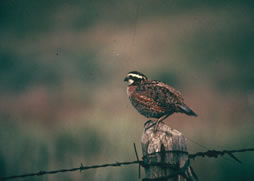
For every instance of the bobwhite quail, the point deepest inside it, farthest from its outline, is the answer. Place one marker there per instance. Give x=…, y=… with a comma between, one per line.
x=154, y=99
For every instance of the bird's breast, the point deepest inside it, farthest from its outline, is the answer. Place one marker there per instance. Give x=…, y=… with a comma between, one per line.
x=131, y=90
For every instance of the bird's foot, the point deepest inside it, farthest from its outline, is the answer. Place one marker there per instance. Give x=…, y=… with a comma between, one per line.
x=148, y=124
x=156, y=126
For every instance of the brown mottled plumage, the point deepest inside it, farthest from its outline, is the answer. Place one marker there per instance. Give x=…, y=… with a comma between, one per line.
x=154, y=99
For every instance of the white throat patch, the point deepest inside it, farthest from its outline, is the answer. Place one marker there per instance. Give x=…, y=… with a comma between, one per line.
x=130, y=81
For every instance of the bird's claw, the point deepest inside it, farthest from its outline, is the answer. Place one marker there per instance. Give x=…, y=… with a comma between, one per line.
x=155, y=124
x=148, y=124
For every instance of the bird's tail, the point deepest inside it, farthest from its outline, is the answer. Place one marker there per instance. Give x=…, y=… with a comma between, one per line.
x=185, y=109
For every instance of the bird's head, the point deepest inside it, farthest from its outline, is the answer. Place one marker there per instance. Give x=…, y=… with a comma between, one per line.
x=135, y=77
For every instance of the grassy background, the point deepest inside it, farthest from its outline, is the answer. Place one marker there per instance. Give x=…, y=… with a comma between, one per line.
x=63, y=100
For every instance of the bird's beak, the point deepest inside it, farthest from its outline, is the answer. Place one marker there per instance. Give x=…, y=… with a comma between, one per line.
x=125, y=79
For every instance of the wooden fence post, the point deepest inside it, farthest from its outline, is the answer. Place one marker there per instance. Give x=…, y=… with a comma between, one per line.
x=165, y=154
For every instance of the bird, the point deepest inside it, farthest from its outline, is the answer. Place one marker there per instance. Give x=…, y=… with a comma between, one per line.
x=153, y=98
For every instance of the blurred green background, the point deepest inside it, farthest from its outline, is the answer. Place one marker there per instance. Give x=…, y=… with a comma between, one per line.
x=63, y=99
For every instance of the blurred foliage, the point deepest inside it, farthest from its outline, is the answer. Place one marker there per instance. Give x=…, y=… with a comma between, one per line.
x=16, y=74
x=63, y=100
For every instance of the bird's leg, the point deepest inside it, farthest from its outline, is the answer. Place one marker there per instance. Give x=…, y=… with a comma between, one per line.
x=156, y=123
x=160, y=120
x=147, y=122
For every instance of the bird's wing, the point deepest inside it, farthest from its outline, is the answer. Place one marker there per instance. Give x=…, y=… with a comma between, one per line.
x=143, y=99
x=174, y=97
x=159, y=93
x=173, y=92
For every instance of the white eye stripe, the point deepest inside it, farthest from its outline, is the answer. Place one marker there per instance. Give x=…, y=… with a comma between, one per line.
x=136, y=75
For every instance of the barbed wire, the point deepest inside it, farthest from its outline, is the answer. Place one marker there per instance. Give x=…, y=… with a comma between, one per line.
x=81, y=168
x=215, y=153
x=209, y=154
